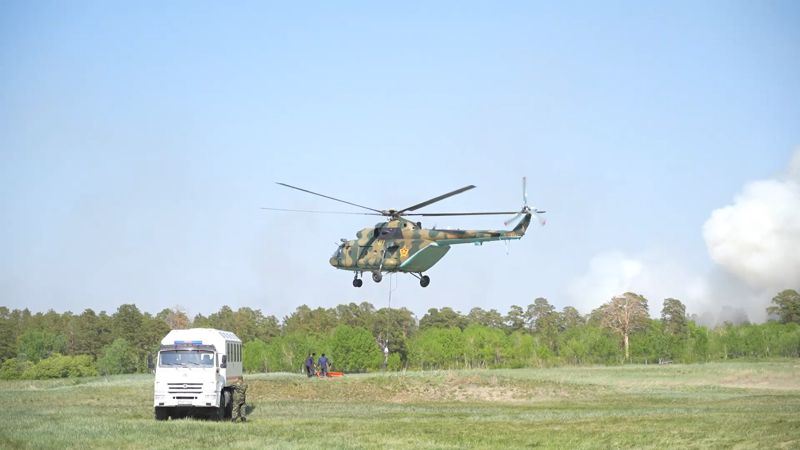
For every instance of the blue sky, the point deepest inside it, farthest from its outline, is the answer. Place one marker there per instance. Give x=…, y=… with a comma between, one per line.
x=138, y=143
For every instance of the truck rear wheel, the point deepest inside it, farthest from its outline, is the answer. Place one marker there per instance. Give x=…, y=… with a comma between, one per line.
x=161, y=413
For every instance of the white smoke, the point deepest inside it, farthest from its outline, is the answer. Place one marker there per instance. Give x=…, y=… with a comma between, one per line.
x=609, y=274
x=757, y=238
x=654, y=276
x=755, y=242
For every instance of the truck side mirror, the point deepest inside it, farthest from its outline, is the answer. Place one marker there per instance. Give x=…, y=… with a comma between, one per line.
x=150, y=364
x=224, y=362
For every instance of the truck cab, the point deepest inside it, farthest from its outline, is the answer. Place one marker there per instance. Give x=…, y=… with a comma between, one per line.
x=195, y=371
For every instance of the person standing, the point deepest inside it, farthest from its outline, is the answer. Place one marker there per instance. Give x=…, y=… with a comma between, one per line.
x=310, y=364
x=239, y=398
x=323, y=365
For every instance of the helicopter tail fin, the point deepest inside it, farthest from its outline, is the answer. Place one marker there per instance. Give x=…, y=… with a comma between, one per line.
x=522, y=226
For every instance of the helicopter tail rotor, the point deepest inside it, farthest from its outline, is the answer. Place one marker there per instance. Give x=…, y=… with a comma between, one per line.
x=525, y=208
x=525, y=191
x=513, y=219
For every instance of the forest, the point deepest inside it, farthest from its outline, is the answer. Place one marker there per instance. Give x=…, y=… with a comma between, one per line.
x=362, y=338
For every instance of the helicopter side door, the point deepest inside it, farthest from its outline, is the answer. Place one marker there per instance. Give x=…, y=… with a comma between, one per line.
x=389, y=240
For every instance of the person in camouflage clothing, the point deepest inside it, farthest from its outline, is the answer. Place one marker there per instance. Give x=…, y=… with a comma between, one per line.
x=239, y=397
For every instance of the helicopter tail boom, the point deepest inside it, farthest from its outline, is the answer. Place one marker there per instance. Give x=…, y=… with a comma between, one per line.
x=453, y=237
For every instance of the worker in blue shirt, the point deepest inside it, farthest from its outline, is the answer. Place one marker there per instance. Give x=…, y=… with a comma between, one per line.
x=310, y=365
x=323, y=365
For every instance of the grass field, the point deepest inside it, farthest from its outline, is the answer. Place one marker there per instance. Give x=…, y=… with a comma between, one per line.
x=730, y=405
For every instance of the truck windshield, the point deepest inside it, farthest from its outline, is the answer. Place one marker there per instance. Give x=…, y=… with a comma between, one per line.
x=187, y=358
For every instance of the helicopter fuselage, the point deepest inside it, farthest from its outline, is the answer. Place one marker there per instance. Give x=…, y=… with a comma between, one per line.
x=401, y=245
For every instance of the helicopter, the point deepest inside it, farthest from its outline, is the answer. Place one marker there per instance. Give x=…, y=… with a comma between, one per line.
x=402, y=245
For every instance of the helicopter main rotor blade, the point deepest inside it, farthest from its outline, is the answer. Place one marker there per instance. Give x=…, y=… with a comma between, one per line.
x=434, y=200
x=324, y=212
x=493, y=213
x=331, y=198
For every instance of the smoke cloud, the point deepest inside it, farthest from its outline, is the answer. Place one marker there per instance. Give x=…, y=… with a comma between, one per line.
x=651, y=275
x=757, y=238
x=755, y=243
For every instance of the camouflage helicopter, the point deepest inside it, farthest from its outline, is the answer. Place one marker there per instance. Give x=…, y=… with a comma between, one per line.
x=401, y=245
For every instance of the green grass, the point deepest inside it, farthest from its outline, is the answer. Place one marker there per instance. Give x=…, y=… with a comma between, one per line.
x=721, y=405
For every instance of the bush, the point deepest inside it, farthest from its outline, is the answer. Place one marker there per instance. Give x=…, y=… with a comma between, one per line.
x=37, y=344
x=118, y=357
x=288, y=353
x=12, y=369
x=697, y=344
x=589, y=344
x=521, y=350
x=395, y=362
x=59, y=366
x=353, y=349
x=484, y=346
x=437, y=348
x=788, y=343
x=255, y=357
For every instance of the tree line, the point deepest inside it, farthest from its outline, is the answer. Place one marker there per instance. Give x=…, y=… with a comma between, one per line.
x=360, y=337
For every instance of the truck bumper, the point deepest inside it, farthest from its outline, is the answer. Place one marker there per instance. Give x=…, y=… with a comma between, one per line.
x=188, y=400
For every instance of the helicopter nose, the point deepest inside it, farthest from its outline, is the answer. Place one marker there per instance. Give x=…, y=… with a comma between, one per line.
x=334, y=262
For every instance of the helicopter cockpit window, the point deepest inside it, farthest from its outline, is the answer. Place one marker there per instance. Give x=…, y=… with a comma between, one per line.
x=390, y=233
x=338, y=253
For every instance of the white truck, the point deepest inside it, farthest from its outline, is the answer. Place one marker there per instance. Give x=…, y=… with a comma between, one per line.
x=195, y=371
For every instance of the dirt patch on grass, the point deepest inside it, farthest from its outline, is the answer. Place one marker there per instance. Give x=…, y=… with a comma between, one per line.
x=460, y=393
x=416, y=388
x=763, y=380
x=478, y=388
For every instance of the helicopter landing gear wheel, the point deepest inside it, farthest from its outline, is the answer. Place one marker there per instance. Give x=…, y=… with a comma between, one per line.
x=377, y=277
x=425, y=281
x=357, y=282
